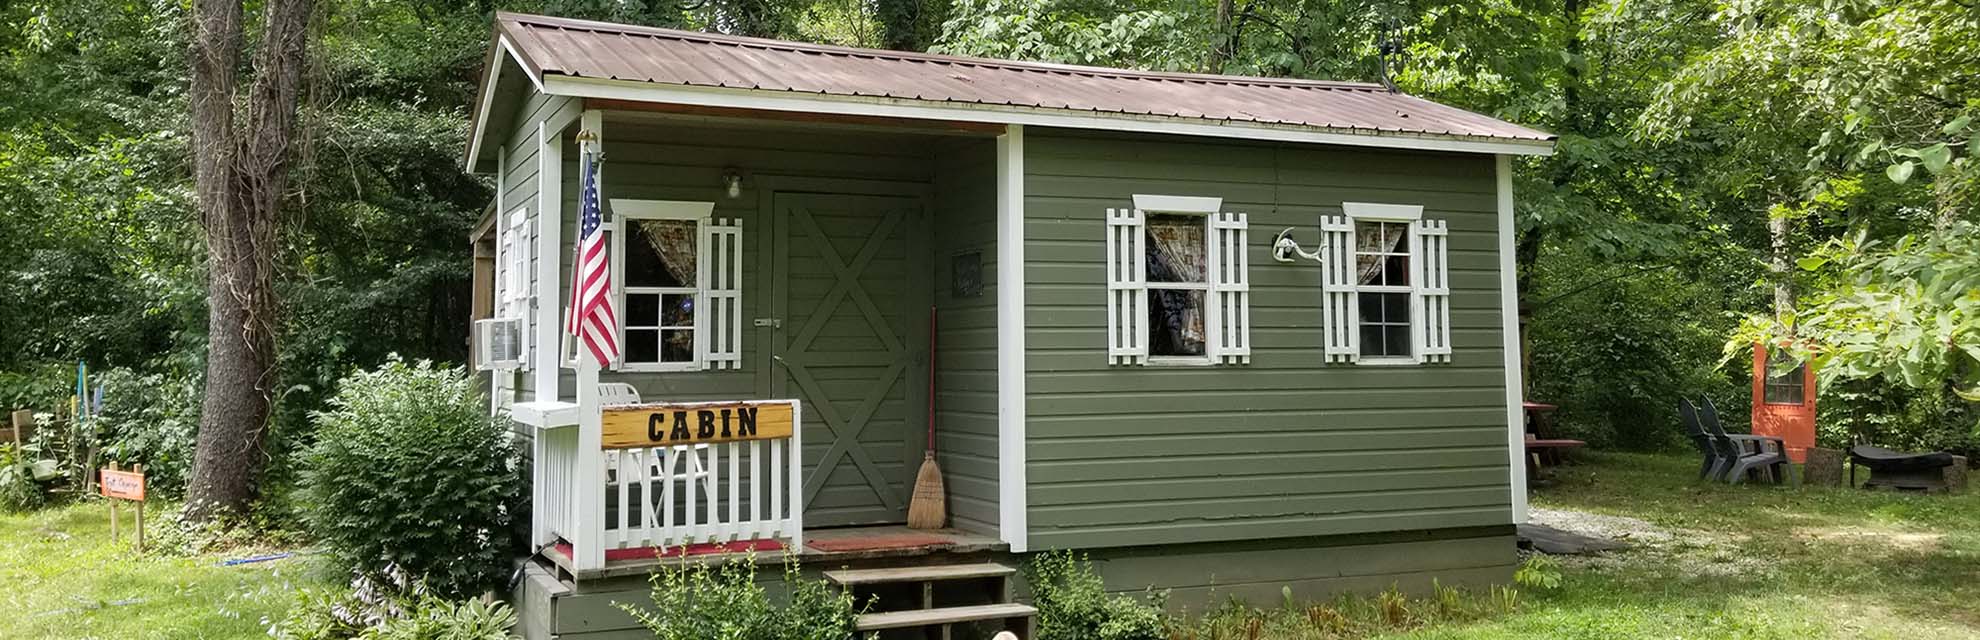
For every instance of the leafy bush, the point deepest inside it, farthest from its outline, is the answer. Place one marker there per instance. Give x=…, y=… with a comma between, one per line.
x=21, y=478
x=153, y=420
x=701, y=602
x=1348, y=615
x=409, y=471
x=400, y=609
x=1073, y=603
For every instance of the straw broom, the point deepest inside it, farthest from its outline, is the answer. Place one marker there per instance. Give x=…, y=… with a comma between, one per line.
x=929, y=509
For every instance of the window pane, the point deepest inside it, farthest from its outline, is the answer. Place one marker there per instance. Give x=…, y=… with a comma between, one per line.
x=1175, y=322
x=1368, y=237
x=1395, y=271
x=1369, y=268
x=642, y=310
x=1395, y=340
x=642, y=345
x=678, y=310
x=1176, y=248
x=677, y=345
x=660, y=253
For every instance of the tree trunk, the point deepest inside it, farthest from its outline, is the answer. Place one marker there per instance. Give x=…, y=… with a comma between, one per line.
x=240, y=178
x=1777, y=237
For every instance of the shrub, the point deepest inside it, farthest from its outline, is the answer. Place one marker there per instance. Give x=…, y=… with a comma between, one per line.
x=153, y=420
x=1073, y=603
x=701, y=602
x=22, y=477
x=396, y=610
x=409, y=471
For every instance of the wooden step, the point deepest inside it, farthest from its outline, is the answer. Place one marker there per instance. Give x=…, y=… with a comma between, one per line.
x=948, y=615
x=934, y=573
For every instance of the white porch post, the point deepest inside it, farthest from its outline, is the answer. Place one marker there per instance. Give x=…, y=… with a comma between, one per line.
x=1509, y=319
x=549, y=251
x=1011, y=484
x=590, y=545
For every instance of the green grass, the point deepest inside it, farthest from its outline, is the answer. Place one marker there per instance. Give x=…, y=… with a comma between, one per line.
x=1754, y=562
x=62, y=578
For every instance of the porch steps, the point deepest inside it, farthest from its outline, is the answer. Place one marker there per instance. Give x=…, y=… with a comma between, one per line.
x=944, y=616
x=947, y=595
x=935, y=573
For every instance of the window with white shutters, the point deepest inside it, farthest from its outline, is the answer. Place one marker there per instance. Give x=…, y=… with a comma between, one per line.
x=677, y=273
x=1178, y=290
x=1385, y=283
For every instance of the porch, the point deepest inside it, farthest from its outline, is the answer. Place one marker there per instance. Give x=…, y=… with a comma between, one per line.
x=808, y=259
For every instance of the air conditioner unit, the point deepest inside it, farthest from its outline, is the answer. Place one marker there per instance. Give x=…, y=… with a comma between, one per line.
x=498, y=343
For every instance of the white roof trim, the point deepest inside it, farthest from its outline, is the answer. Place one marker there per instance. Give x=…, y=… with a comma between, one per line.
x=642, y=91
x=488, y=96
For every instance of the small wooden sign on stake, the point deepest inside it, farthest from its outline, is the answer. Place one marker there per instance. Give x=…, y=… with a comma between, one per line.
x=116, y=484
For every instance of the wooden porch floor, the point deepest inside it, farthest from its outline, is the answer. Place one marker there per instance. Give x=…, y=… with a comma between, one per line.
x=824, y=547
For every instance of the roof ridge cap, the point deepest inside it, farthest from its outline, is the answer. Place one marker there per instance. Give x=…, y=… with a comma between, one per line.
x=932, y=58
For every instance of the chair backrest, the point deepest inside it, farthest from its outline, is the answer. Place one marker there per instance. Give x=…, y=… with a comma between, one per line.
x=1689, y=414
x=1708, y=415
x=617, y=393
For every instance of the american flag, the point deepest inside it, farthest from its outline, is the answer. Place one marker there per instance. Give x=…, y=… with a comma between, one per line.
x=592, y=319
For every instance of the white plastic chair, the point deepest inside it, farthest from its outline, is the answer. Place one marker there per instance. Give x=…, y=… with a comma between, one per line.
x=619, y=393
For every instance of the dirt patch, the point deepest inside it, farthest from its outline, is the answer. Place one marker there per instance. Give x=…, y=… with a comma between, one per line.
x=1865, y=537
x=1596, y=525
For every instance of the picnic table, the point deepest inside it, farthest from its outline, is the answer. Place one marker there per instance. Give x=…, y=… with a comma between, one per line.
x=1541, y=448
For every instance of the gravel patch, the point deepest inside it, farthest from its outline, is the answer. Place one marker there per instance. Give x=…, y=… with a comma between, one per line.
x=1596, y=525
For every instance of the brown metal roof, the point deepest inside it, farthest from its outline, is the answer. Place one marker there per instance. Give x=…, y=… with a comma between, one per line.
x=600, y=50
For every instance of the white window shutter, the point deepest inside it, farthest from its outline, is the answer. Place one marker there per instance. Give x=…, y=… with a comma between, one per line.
x=1230, y=290
x=719, y=321
x=1432, y=275
x=1127, y=288
x=1337, y=281
x=525, y=294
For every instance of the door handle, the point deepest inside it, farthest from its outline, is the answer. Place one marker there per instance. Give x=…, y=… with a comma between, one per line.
x=773, y=323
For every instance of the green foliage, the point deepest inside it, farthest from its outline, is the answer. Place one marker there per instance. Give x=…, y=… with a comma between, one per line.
x=1538, y=572
x=1073, y=603
x=399, y=609
x=1906, y=314
x=1349, y=615
x=409, y=471
x=22, y=476
x=150, y=419
x=1140, y=34
x=724, y=602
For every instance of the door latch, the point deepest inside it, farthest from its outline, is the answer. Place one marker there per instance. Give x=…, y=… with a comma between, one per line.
x=774, y=323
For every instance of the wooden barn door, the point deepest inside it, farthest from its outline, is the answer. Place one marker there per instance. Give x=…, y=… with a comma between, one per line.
x=851, y=295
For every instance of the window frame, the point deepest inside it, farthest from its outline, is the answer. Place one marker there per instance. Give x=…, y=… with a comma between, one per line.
x=699, y=213
x=1405, y=216
x=1199, y=208
x=1795, y=378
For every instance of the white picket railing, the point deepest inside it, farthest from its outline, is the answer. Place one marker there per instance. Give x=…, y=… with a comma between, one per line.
x=665, y=497
x=699, y=494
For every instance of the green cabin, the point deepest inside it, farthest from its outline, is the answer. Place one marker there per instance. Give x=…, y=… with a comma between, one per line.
x=1224, y=334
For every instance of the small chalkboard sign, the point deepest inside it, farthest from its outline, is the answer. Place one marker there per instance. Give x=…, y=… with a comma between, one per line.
x=119, y=485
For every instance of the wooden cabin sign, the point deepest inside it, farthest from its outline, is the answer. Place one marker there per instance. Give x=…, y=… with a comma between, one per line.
x=667, y=424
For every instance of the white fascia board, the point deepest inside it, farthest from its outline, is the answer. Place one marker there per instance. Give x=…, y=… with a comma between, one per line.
x=1510, y=344
x=1178, y=204
x=1013, y=115
x=488, y=97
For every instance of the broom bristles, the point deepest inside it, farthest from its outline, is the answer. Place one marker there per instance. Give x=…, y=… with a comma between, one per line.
x=930, y=507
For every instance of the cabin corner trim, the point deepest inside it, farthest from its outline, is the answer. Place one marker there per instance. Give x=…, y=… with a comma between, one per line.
x=1509, y=335
x=1011, y=478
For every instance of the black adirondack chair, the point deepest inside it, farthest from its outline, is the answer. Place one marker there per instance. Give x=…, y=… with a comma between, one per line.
x=1744, y=453
x=1707, y=449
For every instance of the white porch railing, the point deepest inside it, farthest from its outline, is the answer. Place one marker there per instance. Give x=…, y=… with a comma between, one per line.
x=733, y=484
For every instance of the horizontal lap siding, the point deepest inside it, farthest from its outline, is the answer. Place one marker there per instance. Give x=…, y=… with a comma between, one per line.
x=647, y=159
x=520, y=188
x=966, y=362
x=1286, y=445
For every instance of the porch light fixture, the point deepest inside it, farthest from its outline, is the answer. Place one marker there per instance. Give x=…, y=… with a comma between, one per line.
x=732, y=182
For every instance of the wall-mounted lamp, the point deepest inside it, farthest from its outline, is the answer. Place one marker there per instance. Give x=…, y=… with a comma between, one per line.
x=732, y=182
x=1283, y=249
